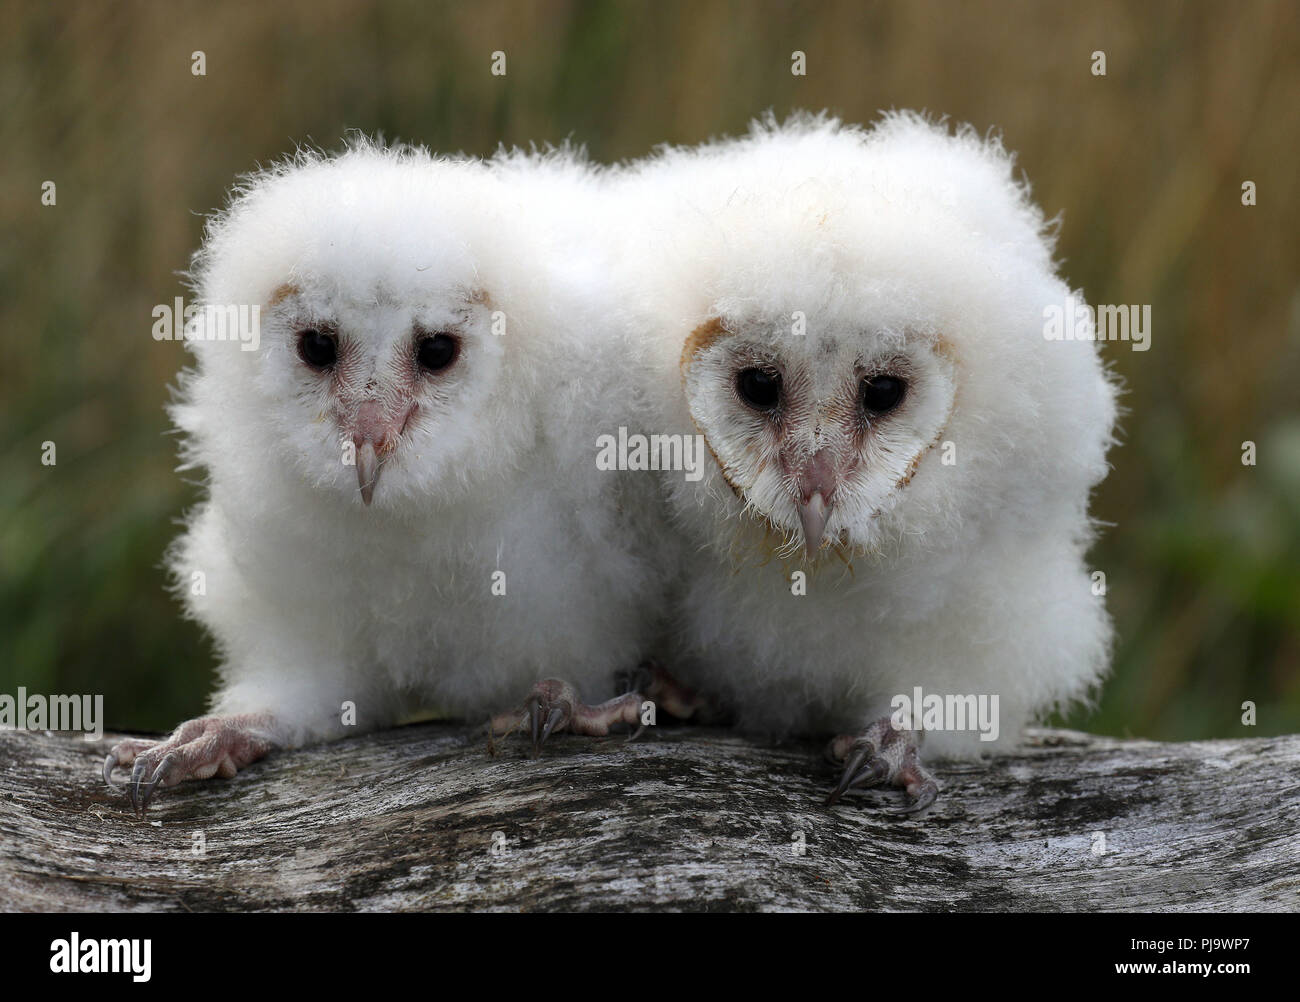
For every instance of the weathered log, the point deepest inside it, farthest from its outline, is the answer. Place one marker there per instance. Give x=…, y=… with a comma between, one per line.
x=424, y=817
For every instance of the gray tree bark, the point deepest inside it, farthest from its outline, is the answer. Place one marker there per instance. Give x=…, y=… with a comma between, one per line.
x=688, y=819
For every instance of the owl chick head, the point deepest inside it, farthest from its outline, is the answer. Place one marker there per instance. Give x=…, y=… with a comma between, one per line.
x=862, y=345
x=818, y=432
x=377, y=281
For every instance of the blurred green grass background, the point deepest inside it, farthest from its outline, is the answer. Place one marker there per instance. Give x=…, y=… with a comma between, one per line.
x=1146, y=165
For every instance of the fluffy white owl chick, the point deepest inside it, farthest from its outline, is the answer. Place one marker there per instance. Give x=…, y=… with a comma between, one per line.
x=394, y=522
x=900, y=459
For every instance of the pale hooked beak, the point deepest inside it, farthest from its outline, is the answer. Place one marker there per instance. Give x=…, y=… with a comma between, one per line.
x=375, y=437
x=813, y=515
x=367, y=470
x=817, y=480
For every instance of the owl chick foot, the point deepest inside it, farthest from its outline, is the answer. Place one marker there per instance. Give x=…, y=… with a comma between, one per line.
x=198, y=749
x=554, y=706
x=883, y=756
x=666, y=692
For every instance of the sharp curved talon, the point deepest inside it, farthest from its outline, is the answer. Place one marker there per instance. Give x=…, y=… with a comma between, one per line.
x=841, y=788
x=637, y=733
x=109, y=764
x=137, y=774
x=875, y=772
x=856, y=757
x=156, y=780
x=928, y=795
x=159, y=774
x=535, y=721
x=852, y=766
x=553, y=719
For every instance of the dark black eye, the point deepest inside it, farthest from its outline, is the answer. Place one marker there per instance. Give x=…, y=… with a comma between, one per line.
x=317, y=348
x=760, y=388
x=436, y=352
x=882, y=393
